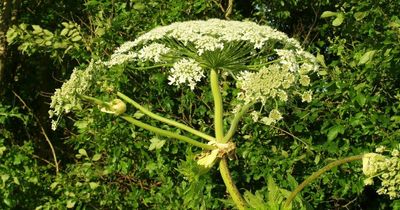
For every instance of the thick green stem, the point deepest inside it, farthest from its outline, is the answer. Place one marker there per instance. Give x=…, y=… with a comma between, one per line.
x=218, y=108
x=318, y=173
x=163, y=119
x=166, y=133
x=235, y=122
x=230, y=185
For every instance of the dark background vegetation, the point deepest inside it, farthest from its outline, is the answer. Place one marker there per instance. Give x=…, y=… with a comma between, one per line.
x=106, y=164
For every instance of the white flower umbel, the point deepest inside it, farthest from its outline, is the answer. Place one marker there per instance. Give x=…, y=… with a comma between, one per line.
x=65, y=98
x=269, y=82
x=386, y=168
x=266, y=64
x=186, y=71
x=153, y=52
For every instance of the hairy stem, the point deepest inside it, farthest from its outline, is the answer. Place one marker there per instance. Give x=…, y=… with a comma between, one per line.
x=230, y=185
x=235, y=122
x=163, y=119
x=218, y=108
x=166, y=133
x=318, y=173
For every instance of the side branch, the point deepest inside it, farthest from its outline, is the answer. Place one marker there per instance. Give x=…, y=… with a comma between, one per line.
x=163, y=119
x=235, y=122
x=318, y=173
x=166, y=133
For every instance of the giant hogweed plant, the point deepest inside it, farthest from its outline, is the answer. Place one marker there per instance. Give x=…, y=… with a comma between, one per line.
x=267, y=67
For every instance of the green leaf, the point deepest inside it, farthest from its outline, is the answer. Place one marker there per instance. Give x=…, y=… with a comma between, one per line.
x=327, y=14
x=138, y=115
x=82, y=152
x=2, y=149
x=53, y=185
x=5, y=177
x=321, y=60
x=16, y=180
x=76, y=38
x=338, y=20
x=64, y=32
x=96, y=157
x=334, y=132
x=361, y=99
x=360, y=15
x=37, y=28
x=156, y=143
x=70, y=204
x=366, y=57
x=254, y=201
x=93, y=185
x=139, y=6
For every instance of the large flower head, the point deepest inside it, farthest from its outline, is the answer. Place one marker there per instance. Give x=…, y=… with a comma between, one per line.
x=265, y=63
x=255, y=53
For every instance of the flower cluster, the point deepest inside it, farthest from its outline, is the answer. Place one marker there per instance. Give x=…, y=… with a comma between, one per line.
x=266, y=63
x=376, y=165
x=65, y=98
x=186, y=70
x=204, y=37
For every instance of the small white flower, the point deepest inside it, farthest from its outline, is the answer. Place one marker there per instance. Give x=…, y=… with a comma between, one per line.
x=153, y=52
x=186, y=71
x=306, y=96
x=304, y=80
x=275, y=115
x=380, y=149
x=255, y=116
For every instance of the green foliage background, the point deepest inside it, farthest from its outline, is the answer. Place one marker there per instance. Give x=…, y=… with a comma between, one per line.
x=106, y=164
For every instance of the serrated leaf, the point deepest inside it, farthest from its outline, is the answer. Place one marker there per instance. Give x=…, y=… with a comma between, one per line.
x=83, y=152
x=254, y=201
x=96, y=157
x=156, y=143
x=327, y=14
x=366, y=57
x=338, y=20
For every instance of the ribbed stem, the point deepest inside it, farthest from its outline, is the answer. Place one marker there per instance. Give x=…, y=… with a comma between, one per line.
x=318, y=173
x=166, y=133
x=218, y=108
x=235, y=122
x=163, y=119
x=230, y=185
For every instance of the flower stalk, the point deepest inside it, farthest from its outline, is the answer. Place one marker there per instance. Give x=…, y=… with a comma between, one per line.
x=218, y=107
x=318, y=173
x=166, y=133
x=230, y=185
x=235, y=122
x=163, y=119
